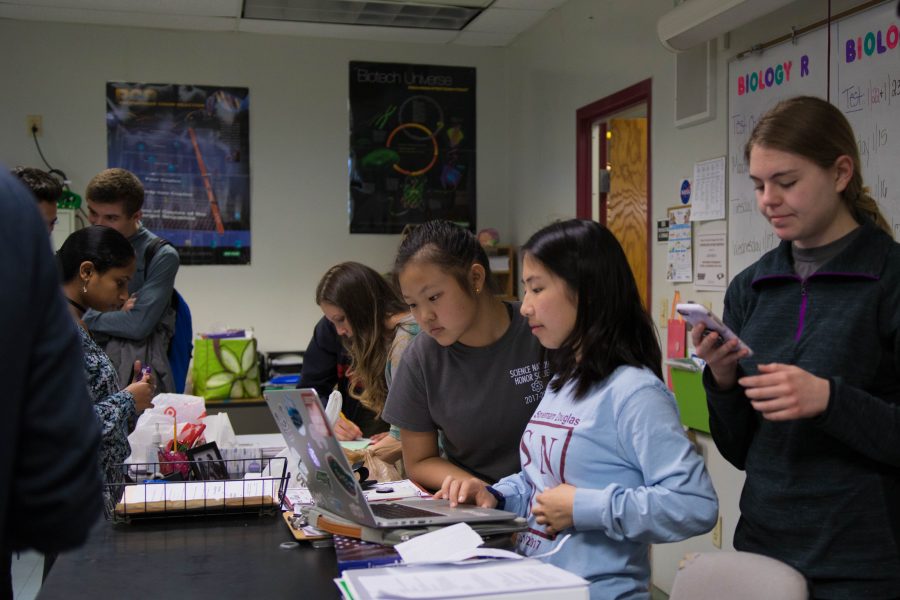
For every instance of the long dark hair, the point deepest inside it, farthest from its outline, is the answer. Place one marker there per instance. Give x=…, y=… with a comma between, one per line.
x=612, y=328
x=105, y=247
x=818, y=131
x=452, y=248
x=367, y=299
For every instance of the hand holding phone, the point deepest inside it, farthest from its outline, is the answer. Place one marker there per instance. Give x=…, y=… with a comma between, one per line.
x=695, y=314
x=141, y=371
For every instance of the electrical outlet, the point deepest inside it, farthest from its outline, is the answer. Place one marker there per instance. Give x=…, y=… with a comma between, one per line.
x=35, y=125
x=717, y=534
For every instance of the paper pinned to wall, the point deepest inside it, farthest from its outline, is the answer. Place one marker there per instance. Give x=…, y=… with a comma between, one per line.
x=708, y=202
x=711, y=252
x=679, y=267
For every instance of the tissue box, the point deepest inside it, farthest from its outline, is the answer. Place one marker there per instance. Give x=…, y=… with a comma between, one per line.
x=226, y=368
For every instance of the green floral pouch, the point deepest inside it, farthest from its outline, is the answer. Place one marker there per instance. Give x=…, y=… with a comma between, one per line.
x=226, y=368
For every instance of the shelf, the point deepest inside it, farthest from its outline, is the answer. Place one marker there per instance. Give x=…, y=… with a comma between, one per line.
x=502, y=260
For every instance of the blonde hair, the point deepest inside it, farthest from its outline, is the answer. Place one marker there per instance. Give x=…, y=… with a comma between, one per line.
x=815, y=129
x=367, y=300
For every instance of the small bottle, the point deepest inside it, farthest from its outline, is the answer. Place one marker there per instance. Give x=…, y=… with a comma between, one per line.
x=153, y=451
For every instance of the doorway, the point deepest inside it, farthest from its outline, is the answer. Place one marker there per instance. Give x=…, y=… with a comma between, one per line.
x=613, y=173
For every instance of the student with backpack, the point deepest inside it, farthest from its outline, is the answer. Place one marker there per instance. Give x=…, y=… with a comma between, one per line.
x=115, y=198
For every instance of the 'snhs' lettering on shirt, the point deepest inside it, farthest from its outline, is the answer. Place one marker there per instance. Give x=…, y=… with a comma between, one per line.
x=534, y=376
x=543, y=450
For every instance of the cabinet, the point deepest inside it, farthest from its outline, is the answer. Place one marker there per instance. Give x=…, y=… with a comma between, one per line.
x=503, y=265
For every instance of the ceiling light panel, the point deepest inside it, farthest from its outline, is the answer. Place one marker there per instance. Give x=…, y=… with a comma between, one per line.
x=206, y=8
x=349, y=12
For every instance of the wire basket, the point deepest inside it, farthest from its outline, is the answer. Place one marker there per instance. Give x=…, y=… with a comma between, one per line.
x=245, y=485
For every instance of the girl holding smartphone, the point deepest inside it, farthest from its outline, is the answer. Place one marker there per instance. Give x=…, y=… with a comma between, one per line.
x=96, y=264
x=813, y=417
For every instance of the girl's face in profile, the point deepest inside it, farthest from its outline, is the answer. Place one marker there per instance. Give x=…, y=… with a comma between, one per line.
x=550, y=306
x=439, y=305
x=109, y=290
x=338, y=318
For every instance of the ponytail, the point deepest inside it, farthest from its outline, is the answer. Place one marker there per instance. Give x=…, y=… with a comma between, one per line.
x=863, y=206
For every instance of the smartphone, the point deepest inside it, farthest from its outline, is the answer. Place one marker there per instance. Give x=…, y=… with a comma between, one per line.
x=695, y=314
x=145, y=370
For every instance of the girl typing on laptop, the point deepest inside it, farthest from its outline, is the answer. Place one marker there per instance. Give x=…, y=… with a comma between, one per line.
x=475, y=377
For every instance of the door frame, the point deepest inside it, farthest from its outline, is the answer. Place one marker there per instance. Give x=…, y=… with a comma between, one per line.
x=585, y=117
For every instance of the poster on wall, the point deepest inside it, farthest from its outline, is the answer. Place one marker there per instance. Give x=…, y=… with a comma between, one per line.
x=189, y=145
x=679, y=261
x=412, y=145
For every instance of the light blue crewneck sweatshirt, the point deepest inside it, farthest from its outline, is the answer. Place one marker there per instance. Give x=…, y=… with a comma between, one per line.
x=638, y=479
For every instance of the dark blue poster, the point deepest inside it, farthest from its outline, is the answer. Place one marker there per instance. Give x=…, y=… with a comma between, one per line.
x=412, y=145
x=189, y=145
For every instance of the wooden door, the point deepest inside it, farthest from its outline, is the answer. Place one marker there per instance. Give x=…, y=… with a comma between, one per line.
x=626, y=202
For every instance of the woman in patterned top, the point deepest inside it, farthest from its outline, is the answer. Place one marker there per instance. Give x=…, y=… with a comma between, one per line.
x=96, y=264
x=376, y=326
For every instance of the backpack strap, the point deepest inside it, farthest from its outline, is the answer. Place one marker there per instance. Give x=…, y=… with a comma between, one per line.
x=152, y=248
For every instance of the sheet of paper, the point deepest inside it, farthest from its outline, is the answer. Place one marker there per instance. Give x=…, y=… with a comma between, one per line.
x=398, y=490
x=708, y=194
x=299, y=497
x=461, y=581
x=710, y=250
x=445, y=544
x=360, y=444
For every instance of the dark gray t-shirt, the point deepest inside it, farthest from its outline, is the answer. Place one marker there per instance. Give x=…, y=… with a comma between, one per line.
x=481, y=398
x=809, y=260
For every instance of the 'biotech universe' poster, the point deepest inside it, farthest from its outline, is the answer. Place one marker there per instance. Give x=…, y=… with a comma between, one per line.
x=412, y=145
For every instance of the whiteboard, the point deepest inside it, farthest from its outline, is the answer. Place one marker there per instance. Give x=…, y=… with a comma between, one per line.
x=867, y=90
x=803, y=71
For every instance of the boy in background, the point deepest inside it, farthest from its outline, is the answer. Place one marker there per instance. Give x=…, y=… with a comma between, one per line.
x=115, y=198
x=46, y=190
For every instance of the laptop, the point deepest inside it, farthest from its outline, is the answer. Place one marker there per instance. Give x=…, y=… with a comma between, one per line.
x=332, y=484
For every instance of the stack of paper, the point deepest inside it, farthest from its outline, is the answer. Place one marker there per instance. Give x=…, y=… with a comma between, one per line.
x=526, y=579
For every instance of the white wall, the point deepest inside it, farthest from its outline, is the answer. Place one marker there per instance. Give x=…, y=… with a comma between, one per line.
x=299, y=140
x=527, y=97
x=582, y=52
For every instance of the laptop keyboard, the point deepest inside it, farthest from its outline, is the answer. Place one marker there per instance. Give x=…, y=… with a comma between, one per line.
x=400, y=511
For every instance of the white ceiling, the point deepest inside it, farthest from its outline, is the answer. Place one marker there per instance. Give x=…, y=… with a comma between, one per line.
x=497, y=25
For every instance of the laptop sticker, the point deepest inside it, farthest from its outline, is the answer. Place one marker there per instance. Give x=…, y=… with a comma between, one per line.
x=344, y=478
x=296, y=419
x=357, y=512
x=323, y=478
x=317, y=419
x=312, y=455
x=301, y=468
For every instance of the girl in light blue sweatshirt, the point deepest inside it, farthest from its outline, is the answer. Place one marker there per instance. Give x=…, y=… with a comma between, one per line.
x=604, y=458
